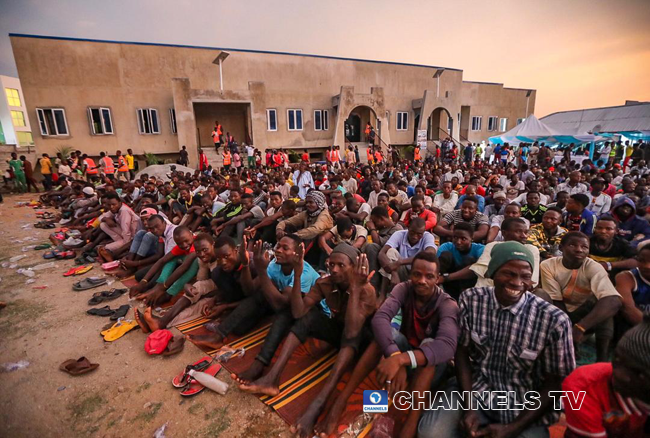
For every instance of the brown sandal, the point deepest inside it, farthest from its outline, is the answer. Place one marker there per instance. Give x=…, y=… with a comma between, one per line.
x=78, y=366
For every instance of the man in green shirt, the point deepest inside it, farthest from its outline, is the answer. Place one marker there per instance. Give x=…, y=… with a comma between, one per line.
x=20, y=183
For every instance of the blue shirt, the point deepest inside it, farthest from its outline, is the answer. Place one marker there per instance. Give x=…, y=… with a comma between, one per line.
x=281, y=281
x=399, y=241
x=475, y=251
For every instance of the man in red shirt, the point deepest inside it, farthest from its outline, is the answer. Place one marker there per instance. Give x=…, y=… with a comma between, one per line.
x=417, y=210
x=616, y=395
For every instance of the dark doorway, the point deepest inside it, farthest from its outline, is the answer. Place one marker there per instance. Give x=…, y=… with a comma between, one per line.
x=353, y=128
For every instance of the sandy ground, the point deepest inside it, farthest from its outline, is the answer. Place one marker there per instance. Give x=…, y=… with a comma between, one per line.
x=129, y=394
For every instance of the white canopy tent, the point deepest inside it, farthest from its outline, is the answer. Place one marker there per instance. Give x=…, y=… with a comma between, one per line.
x=532, y=129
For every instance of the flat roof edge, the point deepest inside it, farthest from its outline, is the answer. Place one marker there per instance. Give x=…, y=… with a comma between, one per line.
x=266, y=52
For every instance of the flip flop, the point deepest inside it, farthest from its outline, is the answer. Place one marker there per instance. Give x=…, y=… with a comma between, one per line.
x=103, y=311
x=120, y=312
x=137, y=315
x=66, y=255
x=118, y=330
x=43, y=246
x=74, y=270
x=83, y=269
x=109, y=266
x=88, y=283
x=180, y=381
x=78, y=366
x=52, y=254
x=174, y=346
x=107, y=295
x=193, y=387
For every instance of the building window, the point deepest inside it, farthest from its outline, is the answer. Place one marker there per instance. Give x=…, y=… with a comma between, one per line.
x=172, y=120
x=476, y=123
x=18, y=117
x=321, y=120
x=271, y=120
x=520, y=121
x=24, y=138
x=294, y=116
x=100, y=120
x=503, y=125
x=492, y=123
x=148, y=121
x=13, y=98
x=402, y=121
x=52, y=121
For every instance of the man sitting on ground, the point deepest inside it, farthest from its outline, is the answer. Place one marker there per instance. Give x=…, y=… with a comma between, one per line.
x=455, y=256
x=467, y=213
x=419, y=210
x=426, y=341
x=120, y=224
x=634, y=287
x=350, y=299
x=581, y=287
x=173, y=271
x=546, y=236
x=499, y=350
x=577, y=217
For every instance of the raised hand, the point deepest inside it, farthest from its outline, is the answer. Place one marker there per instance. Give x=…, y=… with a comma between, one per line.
x=360, y=275
x=260, y=256
x=243, y=252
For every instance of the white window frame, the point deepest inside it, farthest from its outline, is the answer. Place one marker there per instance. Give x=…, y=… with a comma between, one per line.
x=268, y=119
x=294, y=117
x=479, y=119
x=494, y=120
x=148, y=112
x=45, y=128
x=102, y=120
x=326, y=120
x=503, y=124
x=402, y=121
x=520, y=121
x=172, y=120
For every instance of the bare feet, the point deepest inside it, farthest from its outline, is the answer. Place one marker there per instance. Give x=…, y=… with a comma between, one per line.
x=304, y=428
x=252, y=373
x=212, y=341
x=263, y=385
x=152, y=321
x=121, y=273
x=327, y=425
x=105, y=254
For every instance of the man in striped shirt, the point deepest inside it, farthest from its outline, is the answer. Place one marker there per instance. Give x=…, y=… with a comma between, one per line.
x=512, y=341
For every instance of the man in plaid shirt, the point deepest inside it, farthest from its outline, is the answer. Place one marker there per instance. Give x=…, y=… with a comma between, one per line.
x=510, y=340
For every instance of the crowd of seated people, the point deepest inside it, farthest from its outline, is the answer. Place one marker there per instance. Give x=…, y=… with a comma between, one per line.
x=435, y=274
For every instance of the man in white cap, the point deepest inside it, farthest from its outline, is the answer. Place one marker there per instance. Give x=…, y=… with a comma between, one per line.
x=80, y=206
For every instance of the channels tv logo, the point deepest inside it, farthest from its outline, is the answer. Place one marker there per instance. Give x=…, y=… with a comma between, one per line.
x=375, y=401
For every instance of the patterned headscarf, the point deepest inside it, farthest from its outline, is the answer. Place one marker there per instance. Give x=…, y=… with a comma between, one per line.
x=319, y=199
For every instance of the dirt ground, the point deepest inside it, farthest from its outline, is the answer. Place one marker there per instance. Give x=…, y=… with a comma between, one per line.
x=129, y=394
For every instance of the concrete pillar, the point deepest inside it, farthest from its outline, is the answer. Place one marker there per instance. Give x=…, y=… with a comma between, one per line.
x=379, y=107
x=185, y=120
x=257, y=115
x=346, y=104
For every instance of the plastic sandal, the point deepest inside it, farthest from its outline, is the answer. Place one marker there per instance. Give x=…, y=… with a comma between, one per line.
x=78, y=366
x=120, y=312
x=83, y=269
x=118, y=330
x=180, y=381
x=101, y=311
x=193, y=387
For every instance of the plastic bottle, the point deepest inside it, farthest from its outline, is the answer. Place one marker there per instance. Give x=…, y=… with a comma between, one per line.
x=43, y=266
x=26, y=272
x=18, y=257
x=209, y=382
x=28, y=248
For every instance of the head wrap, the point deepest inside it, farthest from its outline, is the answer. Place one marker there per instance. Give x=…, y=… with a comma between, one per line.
x=635, y=344
x=347, y=250
x=88, y=191
x=319, y=199
x=505, y=252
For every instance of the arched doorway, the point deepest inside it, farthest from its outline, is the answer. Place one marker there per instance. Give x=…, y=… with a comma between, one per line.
x=355, y=124
x=439, y=124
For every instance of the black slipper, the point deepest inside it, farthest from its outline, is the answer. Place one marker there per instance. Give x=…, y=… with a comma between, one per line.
x=103, y=311
x=121, y=312
x=107, y=295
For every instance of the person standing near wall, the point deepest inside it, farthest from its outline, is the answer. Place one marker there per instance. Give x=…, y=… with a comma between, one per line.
x=130, y=161
x=122, y=167
x=16, y=165
x=29, y=174
x=46, y=171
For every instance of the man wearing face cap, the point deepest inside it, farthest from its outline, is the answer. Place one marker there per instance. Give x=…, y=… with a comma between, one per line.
x=350, y=300
x=511, y=340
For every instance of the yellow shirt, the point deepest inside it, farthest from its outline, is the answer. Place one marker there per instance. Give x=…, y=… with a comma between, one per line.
x=129, y=162
x=46, y=166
